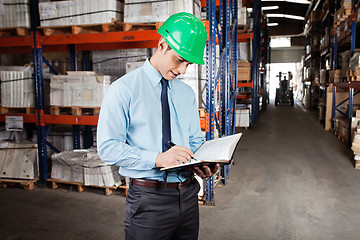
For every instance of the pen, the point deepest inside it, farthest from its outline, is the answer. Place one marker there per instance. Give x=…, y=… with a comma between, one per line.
x=173, y=144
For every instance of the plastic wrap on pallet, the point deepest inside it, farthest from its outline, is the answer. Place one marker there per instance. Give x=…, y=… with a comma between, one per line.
x=14, y=13
x=62, y=13
x=130, y=66
x=191, y=78
x=242, y=118
x=244, y=51
x=243, y=17
x=355, y=60
x=84, y=166
x=141, y=11
x=113, y=62
x=17, y=88
x=78, y=89
x=18, y=160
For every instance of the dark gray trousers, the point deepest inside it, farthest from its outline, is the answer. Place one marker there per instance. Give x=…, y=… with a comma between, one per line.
x=162, y=213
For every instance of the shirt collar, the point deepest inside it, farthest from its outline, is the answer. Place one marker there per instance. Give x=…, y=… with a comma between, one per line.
x=153, y=75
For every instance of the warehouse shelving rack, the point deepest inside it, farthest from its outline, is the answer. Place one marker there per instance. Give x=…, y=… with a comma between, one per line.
x=260, y=58
x=225, y=79
x=352, y=87
x=223, y=31
x=37, y=44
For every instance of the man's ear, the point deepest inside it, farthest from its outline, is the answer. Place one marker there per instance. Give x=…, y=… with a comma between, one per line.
x=162, y=45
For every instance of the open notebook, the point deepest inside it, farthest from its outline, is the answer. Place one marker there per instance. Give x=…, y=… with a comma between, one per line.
x=218, y=150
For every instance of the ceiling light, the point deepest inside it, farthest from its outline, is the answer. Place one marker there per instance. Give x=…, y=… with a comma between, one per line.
x=269, y=8
x=272, y=24
x=292, y=1
x=277, y=15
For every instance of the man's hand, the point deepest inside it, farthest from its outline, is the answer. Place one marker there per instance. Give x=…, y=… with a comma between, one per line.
x=174, y=156
x=205, y=170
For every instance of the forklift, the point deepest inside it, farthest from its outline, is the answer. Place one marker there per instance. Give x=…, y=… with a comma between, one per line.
x=284, y=94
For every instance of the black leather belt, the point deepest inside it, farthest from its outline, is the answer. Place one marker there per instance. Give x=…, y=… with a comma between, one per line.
x=158, y=184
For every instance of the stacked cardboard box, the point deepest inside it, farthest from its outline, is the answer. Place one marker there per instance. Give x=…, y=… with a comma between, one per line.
x=244, y=70
x=17, y=88
x=140, y=11
x=76, y=12
x=343, y=12
x=337, y=75
x=356, y=138
x=78, y=89
x=323, y=76
x=14, y=13
x=84, y=166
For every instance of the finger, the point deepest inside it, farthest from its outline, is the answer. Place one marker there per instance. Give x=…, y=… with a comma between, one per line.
x=199, y=172
x=184, y=149
x=206, y=170
x=182, y=159
x=216, y=168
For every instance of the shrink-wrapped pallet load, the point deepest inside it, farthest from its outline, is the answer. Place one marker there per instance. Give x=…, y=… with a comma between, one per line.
x=78, y=89
x=140, y=11
x=17, y=87
x=84, y=166
x=80, y=12
x=14, y=13
x=18, y=160
x=113, y=62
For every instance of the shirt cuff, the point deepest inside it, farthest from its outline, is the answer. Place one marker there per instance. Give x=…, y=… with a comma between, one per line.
x=147, y=160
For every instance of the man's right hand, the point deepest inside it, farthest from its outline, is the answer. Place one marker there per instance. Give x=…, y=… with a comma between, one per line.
x=174, y=156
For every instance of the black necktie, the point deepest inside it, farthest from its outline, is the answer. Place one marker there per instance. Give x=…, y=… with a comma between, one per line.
x=166, y=130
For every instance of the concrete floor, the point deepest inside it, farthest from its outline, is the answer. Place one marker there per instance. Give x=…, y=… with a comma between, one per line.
x=291, y=180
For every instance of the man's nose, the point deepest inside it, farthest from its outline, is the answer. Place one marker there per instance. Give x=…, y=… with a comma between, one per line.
x=182, y=68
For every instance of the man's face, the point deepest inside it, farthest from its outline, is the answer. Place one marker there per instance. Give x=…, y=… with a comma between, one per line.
x=172, y=65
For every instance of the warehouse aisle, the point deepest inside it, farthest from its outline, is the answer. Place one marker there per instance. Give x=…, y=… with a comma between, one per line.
x=292, y=180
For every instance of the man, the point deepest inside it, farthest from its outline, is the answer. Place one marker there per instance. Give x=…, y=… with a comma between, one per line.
x=141, y=114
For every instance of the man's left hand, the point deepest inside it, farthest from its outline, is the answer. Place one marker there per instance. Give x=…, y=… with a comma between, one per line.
x=205, y=170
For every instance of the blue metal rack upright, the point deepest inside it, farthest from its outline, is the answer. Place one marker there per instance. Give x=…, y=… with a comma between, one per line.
x=256, y=63
x=225, y=80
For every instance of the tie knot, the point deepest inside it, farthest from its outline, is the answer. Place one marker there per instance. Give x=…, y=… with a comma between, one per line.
x=164, y=82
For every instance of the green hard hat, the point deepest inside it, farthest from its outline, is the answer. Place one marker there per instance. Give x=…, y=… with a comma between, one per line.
x=186, y=34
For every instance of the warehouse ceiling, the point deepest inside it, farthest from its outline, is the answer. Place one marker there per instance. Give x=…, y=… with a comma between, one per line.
x=288, y=14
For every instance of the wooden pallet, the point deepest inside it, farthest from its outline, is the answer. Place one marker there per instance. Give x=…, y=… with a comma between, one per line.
x=125, y=188
x=76, y=111
x=56, y=183
x=99, y=28
x=27, y=110
x=26, y=184
x=341, y=15
x=242, y=29
x=14, y=32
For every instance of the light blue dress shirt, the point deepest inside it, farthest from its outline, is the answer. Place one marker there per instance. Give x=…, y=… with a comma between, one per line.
x=129, y=132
